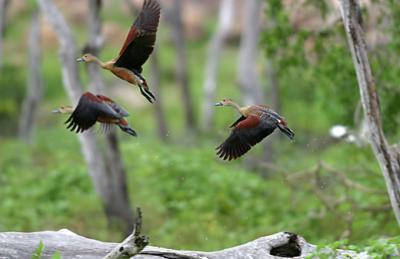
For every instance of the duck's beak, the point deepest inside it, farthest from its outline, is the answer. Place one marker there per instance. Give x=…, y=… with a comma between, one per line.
x=219, y=104
x=56, y=111
x=80, y=60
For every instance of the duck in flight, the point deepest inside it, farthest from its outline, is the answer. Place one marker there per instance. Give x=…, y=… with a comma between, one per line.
x=93, y=108
x=137, y=48
x=255, y=124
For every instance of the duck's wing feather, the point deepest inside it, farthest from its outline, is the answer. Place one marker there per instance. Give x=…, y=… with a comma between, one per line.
x=246, y=134
x=85, y=115
x=140, y=40
x=117, y=108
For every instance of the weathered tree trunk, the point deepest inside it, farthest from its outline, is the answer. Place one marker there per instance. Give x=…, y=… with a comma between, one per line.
x=70, y=245
x=121, y=209
x=4, y=4
x=73, y=86
x=155, y=85
x=248, y=78
x=34, y=85
x=387, y=156
x=225, y=19
x=178, y=36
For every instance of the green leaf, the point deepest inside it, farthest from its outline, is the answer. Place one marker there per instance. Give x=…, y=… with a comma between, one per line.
x=39, y=250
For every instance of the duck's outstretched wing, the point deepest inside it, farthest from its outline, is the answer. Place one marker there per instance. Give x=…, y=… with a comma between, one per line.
x=247, y=133
x=85, y=115
x=140, y=40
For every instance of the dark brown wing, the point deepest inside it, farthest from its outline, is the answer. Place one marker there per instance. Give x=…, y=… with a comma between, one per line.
x=117, y=108
x=141, y=38
x=85, y=115
x=246, y=134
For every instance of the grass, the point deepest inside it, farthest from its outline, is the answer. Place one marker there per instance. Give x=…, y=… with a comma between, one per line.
x=190, y=199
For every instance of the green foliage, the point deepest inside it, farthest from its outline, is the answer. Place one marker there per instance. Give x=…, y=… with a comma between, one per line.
x=56, y=255
x=316, y=66
x=12, y=84
x=375, y=248
x=39, y=251
x=221, y=204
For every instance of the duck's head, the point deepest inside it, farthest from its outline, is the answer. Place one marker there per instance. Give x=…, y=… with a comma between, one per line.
x=64, y=109
x=224, y=102
x=86, y=58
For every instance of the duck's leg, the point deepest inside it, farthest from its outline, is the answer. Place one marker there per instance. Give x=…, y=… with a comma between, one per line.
x=150, y=93
x=144, y=88
x=144, y=93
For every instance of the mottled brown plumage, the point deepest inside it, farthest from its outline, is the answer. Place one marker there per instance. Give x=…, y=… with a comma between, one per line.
x=256, y=123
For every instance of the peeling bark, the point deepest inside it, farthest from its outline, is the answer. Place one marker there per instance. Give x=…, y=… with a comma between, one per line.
x=388, y=158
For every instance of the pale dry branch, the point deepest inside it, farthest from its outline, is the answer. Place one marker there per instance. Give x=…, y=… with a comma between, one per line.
x=133, y=244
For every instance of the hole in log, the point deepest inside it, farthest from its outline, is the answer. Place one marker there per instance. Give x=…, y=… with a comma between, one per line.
x=290, y=249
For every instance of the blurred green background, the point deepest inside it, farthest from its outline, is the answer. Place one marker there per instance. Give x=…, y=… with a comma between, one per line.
x=191, y=199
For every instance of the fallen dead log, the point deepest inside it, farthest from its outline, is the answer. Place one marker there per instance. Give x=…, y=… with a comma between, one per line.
x=70, y=245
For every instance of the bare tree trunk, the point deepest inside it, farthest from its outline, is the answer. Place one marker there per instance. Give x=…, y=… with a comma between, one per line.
x=94, y=45
x=90, y=149
x=273, y=97
x=116, y=178
x=34, y=85
x=178, y=37
x=4, y=4
x=155, y=84
x=225, y=19
x=248, y=77
x=387, y=156
x=273, y=101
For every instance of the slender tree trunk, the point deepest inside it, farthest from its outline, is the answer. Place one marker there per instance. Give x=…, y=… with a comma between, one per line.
x=121, y=208
x=34, y=85
x=248, y=77
x=225, y=19
x=178, y=37
x=4, y=4
x=155, y=84
x=73, y=86
x=273, y=101
x=388, y=156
